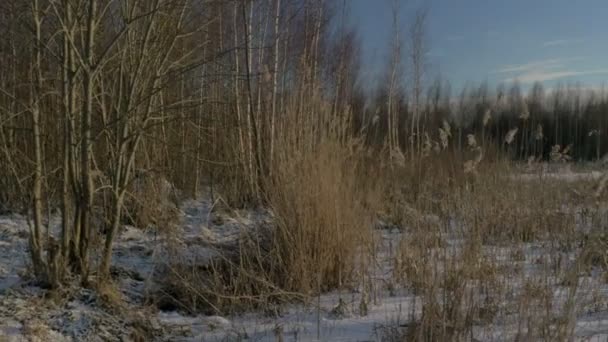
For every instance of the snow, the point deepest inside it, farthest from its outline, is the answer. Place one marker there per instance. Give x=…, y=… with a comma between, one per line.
x=13, y=247
x=561, y=176
x=298, y=323
x=11, y=329
x=138, y=254
x=320, y=323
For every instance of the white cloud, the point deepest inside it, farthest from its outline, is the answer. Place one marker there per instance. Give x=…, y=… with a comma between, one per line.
x=545, y=70
x=546, y=75
x=561, y=42
x=547, y=63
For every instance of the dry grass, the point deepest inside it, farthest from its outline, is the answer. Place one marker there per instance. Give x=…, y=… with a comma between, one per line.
x=325, y=213
x=323, y=209
x=236, y=279
x=472, y=266
x=151, y=201
x=110, y=296
x=464, y=252
x=469, y=228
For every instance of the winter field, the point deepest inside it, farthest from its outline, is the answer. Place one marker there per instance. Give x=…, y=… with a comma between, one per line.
x=244, y=170
x=514, y=264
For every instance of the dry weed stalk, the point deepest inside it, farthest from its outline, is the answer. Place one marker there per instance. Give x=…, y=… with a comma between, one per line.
x=560, y=155
x=510, y=136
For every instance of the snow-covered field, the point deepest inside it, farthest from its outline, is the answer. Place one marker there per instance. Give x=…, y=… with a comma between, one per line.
x=27, y=314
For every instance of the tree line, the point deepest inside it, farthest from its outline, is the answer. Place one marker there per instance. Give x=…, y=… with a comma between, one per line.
x=569, y=116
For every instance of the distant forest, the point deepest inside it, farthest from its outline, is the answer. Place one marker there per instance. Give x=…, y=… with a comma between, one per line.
x=567, y=115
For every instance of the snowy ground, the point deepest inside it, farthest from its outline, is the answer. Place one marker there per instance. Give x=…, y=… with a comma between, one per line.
x=25, y=313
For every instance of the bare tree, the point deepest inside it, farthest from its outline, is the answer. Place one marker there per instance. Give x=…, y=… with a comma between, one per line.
x=136, y=93
x=395, y=70
x=418, y=52
x=35, y=98
x=275, y=74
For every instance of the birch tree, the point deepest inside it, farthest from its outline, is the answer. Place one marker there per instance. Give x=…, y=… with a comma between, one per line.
x=417, y=54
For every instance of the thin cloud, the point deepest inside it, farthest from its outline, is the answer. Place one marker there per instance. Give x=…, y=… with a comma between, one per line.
x=545, y=75
x=561, y=42
x=544, y=64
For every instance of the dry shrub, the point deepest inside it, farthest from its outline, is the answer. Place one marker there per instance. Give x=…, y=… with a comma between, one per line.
x=415, y=256
x=502, y=209
x=594, y=250
x=457, y=290
x=324, y=205
x=416, y=192
x=534, y=311
x=236, y=278
x=321, y=188
x=110, y=296
x=323, y=201
x=459, y=282
x=151, y=201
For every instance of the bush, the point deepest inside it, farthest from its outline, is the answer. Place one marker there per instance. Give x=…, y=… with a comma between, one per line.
x=324, y=203
x=151, y=201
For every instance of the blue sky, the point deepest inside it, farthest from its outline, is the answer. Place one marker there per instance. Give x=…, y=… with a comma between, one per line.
x=497, y=40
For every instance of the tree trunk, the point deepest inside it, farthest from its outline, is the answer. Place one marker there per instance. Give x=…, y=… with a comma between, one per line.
x=36, y=236
x=275, y=74
x=85, y=148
